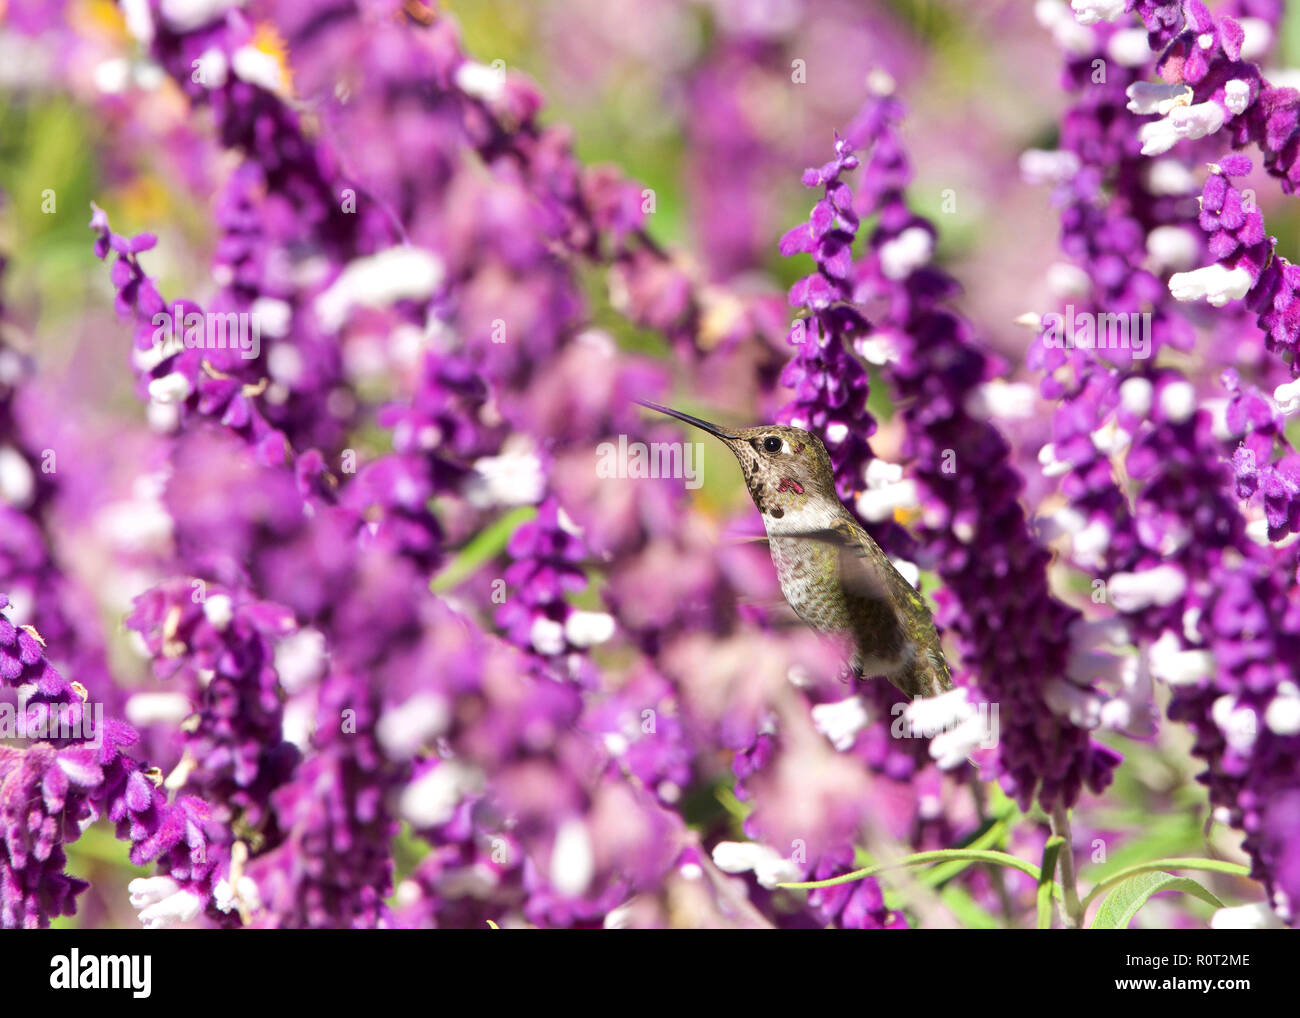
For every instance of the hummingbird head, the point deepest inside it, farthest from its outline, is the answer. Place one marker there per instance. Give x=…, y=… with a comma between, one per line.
x=787, y=470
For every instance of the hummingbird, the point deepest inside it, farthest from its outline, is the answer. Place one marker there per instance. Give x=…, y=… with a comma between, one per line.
x=834, y=576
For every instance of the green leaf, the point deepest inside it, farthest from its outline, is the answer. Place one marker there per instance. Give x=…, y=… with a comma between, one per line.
x=1122, y=904
x=486, y=545
x=1207, y=865
x=1046, y=878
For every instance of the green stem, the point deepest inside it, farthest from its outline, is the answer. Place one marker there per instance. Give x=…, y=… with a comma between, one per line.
x=1046, y=880
x=941, y=855
x=1209, y=865
x=946, y=871
x=1074, y=909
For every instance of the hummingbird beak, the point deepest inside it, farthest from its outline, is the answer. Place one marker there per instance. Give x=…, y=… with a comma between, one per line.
x=712, y=429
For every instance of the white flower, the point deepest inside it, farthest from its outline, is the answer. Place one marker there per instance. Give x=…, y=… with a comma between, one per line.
x=187, y=15
x=1179, y=667
x=1110, y=438
x=1178, y=401
x=219, y=610
x=244, y=896
x=573, y=861
x=1052, y=467
x=881, y=473
x=1257, y=916
x=1048, y=166
x=938, y=713
x=876, y=504
x=274, y=316
x=1238, y=722
x=1135, y=395
x=512, y=479
x=481, y=81
x=299, y=722
x=1067, y=280
x=877, y=348
x=17, y=482
x=958, y=725
x=768, y=867
x=139, y=20
x=1283, y=713
x=1131, y=592
x=161, y=902
x=173, y=388
x=1129, y=47
x=1236, y=96
x=908, y=570
x=404, y=730
x=885, y=491
x=999, y=398
x=546, y=636
x=840, y=722
x=398, y=273
x=1067, y=33
x=1080, y=706
x=906, y=253
x=1146, y=97
x=586, y=629
x=432, y=798
x=1170, y=177
x=1190, y=122
x=1215, y=283
x=1090, y=542
x=1089, y=12
x=300, y=659
x=212, y=68
x=150, y=708
x=258, y=67
x=137, y=524
x=112, y=76
x=1171, y=247
x=1287, y=397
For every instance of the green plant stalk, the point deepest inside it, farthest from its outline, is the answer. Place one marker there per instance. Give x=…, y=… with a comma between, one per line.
x=986, y=840
x=939, y=855
x=1047, y=873
x=1074, y=909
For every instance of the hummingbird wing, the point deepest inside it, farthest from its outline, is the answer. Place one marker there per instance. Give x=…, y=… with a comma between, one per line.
x=891, y=621
x=865, y=570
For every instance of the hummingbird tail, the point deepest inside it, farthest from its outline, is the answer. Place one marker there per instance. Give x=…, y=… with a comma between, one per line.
x=928, y=676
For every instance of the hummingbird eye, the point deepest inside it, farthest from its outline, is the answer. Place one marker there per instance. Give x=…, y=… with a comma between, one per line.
x=772, y=443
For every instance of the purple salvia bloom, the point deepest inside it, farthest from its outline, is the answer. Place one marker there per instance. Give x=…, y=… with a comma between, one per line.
x=972, y=501
x=219, y=644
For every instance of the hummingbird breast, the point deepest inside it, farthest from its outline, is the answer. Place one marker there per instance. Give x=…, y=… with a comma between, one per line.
x=808, y=572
